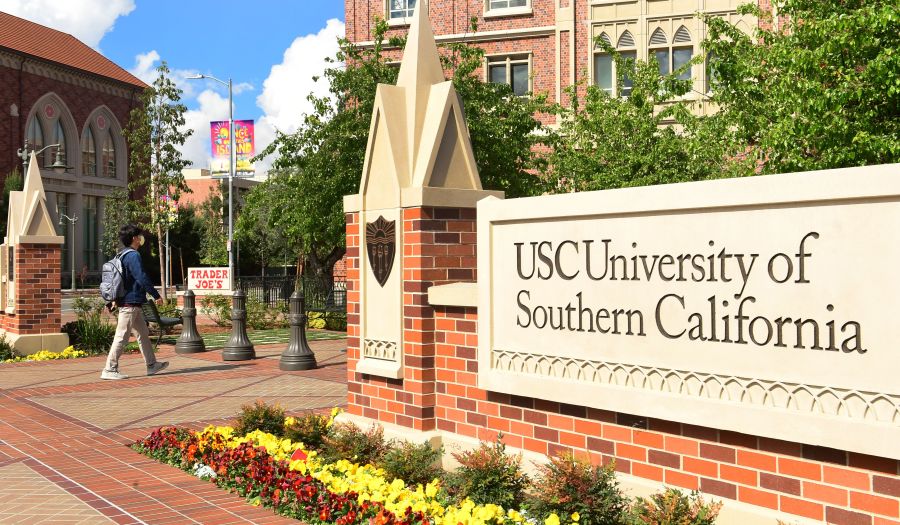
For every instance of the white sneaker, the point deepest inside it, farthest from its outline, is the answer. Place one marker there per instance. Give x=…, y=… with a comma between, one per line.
x=156, y=367
x=112, y=374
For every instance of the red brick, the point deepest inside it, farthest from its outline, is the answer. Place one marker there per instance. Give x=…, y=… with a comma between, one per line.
x=801, y=507
x=759, y=498
x=885, y=485
x=718, y=488
x=642, y=470
x=837, y=516
x=845, y=477
x=738, y=475
x=631, y=452
x=700, y=466
x=757, y=460
x=800, y=469
x=825, y=493
x=889, y=507
x=680, y=479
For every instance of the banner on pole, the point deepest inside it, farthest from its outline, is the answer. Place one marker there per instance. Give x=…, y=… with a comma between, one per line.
x=220, y=141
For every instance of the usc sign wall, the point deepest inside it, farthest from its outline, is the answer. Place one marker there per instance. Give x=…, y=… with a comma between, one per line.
x=764, y=305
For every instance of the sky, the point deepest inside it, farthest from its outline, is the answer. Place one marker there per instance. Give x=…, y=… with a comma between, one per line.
x=271, y=49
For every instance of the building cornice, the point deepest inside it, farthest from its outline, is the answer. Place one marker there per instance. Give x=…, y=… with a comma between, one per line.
x=485, y=36
x=47, y=69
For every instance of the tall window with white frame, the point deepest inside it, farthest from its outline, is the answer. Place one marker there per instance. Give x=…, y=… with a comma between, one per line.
x=64, y=229
x=108, y=158
x=513, y=70
x=59, y=138
x=400, y=9
x=605, y=72
x=91, y=232
x=675, y=55
x=88, y=153
x=35, y=134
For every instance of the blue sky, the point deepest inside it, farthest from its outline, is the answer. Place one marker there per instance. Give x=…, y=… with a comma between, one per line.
x=275, y=48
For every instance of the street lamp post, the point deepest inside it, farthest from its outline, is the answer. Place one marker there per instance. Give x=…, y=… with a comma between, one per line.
x=231, y=158
x=72, y=247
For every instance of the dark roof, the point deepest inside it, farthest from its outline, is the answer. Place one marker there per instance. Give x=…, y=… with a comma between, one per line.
x=39, y=41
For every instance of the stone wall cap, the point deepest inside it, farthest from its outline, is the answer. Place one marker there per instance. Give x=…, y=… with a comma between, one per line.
x=456, y=294
x=430, y=197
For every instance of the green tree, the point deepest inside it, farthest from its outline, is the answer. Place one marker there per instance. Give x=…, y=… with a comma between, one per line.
x=819, y=88
x=118, y=210
x=508, y=139
x=14, y=182
x=257, y=227
x=323, y=160
x=650, y=137
x=213, y=249
x=155, y=131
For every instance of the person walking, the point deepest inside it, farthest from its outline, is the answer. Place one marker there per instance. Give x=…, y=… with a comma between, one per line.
x=131, y=317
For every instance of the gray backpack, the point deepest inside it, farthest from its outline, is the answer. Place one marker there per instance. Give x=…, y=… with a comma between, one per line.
x=112, y=278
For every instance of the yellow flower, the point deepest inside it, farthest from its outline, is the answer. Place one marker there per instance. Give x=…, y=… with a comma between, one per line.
x=552, y=519
x=575, y=517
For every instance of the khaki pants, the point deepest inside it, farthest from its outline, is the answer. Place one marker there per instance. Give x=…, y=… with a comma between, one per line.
x=131, y=319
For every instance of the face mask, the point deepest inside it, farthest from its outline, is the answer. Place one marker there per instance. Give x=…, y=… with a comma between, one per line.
x=141, y=237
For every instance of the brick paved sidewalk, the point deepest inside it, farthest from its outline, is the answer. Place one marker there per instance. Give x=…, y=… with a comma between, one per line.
x=64, y=433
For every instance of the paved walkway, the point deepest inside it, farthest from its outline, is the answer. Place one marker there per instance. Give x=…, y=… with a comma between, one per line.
x=64, y=433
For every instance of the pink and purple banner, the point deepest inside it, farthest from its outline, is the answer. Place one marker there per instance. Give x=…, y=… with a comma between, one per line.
x=219, y=144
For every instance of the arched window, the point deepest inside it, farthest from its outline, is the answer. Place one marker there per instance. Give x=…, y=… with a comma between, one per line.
x=60, y=138
x=627, y=50
x=35, y=134
x=88, y=153
x=603, y=67
x=108, y=161
x=675, y=56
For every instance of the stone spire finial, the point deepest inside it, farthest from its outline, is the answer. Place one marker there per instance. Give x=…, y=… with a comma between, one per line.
x=419, y=70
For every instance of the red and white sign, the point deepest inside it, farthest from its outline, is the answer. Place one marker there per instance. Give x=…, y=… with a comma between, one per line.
x=209, y=279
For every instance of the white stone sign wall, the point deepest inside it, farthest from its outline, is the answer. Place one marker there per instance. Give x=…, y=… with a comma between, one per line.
x=766, y=305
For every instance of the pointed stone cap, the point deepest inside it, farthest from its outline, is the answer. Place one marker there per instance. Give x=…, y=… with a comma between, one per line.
x=29, y=219
x=419, y=151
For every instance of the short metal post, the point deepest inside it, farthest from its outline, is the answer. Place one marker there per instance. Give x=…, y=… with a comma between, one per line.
x=189, y=342
x=298, y=355
x=239, y=347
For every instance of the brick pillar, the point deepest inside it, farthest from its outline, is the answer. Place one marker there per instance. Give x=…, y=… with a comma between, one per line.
x=35, y=322
x=438, y=248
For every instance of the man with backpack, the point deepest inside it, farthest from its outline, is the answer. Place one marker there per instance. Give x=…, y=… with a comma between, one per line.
x=129, y=288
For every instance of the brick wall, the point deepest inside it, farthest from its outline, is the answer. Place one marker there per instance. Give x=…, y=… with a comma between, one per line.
x=438, y=248
x=80, y=101
x=439, y=391
x=37, y=282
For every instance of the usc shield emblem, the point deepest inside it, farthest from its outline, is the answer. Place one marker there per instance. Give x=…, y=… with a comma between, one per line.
x=381, y=246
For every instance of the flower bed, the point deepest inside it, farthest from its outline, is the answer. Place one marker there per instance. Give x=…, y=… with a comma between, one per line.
x=319, y=484
x=46, y=355
x=259, y=466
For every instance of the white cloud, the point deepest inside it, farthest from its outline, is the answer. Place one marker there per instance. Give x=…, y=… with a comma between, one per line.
x=145, y=65
x=283, y=97
x=86, y=20
x=213, y=106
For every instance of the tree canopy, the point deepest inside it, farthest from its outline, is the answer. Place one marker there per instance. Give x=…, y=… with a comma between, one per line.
x=155, y=132
x=816, y=88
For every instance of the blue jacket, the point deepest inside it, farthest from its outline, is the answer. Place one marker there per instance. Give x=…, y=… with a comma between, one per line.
x=137, y=284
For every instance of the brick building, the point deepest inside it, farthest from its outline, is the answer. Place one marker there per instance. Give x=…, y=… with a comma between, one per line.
x=54, y=89
x=547, y=45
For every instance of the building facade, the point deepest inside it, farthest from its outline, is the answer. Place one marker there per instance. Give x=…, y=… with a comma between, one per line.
x=547, y=46
x=54, y=89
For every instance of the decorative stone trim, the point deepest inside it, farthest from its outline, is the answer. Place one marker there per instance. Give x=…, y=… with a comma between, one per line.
x=821, y=400
x=373, y=349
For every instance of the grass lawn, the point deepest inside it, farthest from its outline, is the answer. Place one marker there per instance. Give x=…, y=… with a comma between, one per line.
x=257, y=337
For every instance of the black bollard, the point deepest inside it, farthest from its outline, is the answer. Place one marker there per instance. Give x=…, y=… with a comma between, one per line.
x=298, y=355
x=239, y=347
x=189, y=342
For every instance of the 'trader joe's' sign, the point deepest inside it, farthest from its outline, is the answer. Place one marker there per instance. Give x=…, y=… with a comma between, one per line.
x=209, y=279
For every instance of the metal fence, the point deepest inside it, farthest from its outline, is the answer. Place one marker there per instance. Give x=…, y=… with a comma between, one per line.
x=321, y=295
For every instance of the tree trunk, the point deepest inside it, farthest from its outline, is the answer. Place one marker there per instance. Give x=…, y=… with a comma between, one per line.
x=162, y=262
